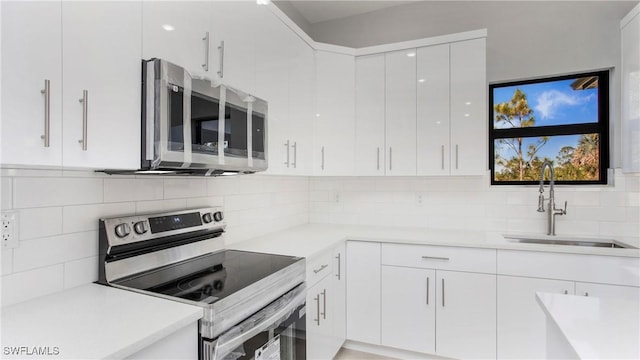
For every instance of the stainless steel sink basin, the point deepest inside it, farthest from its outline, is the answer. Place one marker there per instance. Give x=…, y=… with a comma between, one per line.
x=553, y=240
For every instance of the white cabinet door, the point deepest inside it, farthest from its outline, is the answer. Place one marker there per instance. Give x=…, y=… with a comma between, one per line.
x=466, y=314
x=521, y=321
x=272, y=85
x=236, y=24
x=334, y=125
x=301, y=104
x=176, y=31
x=630, y=36
x=319, y=321
x=102, y=60
x=468, y=107
x=433, y=154
x=370, y=104
x=338, y=303
x=608, y=291
x=31, y=55
x=400, y=113
x=409, y=308
x=363, y=297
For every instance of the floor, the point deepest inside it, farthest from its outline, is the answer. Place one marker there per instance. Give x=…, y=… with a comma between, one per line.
x=347, y=354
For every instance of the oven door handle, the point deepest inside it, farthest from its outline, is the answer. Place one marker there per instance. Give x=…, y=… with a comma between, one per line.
x=268, y=318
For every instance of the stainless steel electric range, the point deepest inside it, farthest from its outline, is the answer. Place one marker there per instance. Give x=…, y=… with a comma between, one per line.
x=254, y=303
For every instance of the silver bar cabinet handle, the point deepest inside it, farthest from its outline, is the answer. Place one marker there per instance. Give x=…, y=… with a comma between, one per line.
x=322, y=162
x=205, y=66
x=85, y=112
x=456, y=156
x=427, y=290
x=315, y=271
x=324, y=304
x=442, y=155
x=317, y=319
x=295, y=154
x=435, y=258
x=338, y=275
x=378, y=158
x=221, y=51
x=287, y=146
x=47, y=112
x=390, y=158
x=442, y=292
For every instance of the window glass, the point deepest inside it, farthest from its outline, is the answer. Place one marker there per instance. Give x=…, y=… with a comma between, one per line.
x=562, y=119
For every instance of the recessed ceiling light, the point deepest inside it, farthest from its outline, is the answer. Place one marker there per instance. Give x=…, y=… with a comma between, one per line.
x=168, y=27
x=263, y=2
x=411, y=54
x=468, y=103
x=467, y=115
x=421, y=80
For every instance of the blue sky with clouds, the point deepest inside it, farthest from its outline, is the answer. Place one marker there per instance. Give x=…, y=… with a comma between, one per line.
x=554, y=103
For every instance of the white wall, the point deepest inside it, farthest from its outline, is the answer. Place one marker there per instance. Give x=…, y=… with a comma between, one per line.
x=59, y=212
x=525, y=38
x=470, y=203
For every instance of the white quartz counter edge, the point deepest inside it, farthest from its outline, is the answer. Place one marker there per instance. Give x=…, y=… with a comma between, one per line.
x=94, y=322
x=593, y=328
x=310, y=239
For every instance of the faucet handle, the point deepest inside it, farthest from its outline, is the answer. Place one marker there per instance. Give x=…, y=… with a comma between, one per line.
x=561, y=211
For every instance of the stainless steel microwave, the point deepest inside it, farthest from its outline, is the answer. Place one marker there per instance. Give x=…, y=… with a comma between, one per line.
x=194, y=126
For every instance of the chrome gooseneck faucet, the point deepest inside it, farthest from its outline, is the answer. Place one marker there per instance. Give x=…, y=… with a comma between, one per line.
x=551, y=218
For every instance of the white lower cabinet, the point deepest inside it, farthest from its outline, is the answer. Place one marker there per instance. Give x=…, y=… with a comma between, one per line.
x=319, y=320
x=461, y=304
x=182, y=344
x=409, y=308
x=326, y=303
x=521, y=322
x=363, y=295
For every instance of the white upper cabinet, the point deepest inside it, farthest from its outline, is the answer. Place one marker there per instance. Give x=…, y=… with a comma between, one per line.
x=433, y=155
x=179, y=32
x=301, y=89
x=77, y=48
x=334, y=125
x=31, y=56
x=400, y=112
x=630, y=35
x=469, y=151
x=102, y=67
x=370, y=104
x=234, y=41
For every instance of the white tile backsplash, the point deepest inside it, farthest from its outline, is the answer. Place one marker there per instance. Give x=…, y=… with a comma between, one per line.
x=59, y=212
x=49, y=222
x=25, y=285
x=30, y=192
x=471, y=203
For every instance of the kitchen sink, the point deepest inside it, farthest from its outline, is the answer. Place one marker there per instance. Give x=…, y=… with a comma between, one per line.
x=554, y=240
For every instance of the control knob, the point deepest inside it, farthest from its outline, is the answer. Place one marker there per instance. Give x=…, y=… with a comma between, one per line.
x=218, y=216
x=122, y=230
x=140, y=227
x=207, y=218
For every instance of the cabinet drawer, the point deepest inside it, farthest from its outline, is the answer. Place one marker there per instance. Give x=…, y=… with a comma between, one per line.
x=440, y=257
x=577, y=267
x=318, y=267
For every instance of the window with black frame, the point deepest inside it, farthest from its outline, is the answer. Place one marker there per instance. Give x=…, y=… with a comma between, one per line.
x=562, y=119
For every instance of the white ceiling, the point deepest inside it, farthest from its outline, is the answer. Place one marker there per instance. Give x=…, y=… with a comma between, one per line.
x=315, y=11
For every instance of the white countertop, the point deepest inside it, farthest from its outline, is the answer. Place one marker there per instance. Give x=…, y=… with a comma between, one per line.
x=93, y=322
x=310, y=239
x=595, y=328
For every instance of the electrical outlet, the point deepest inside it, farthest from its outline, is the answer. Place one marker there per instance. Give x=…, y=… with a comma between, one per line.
x=419, y=199
x=335, y=197
x=9, y=229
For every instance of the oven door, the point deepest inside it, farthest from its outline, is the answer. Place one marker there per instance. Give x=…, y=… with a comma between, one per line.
x=277, y=332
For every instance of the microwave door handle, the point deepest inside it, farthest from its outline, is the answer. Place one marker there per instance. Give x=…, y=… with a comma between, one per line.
x=259, y=322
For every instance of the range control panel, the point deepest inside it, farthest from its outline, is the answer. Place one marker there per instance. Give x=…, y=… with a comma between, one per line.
x=131, y=229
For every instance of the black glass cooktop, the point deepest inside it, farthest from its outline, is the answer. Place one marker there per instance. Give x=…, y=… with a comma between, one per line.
x=210, y=277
